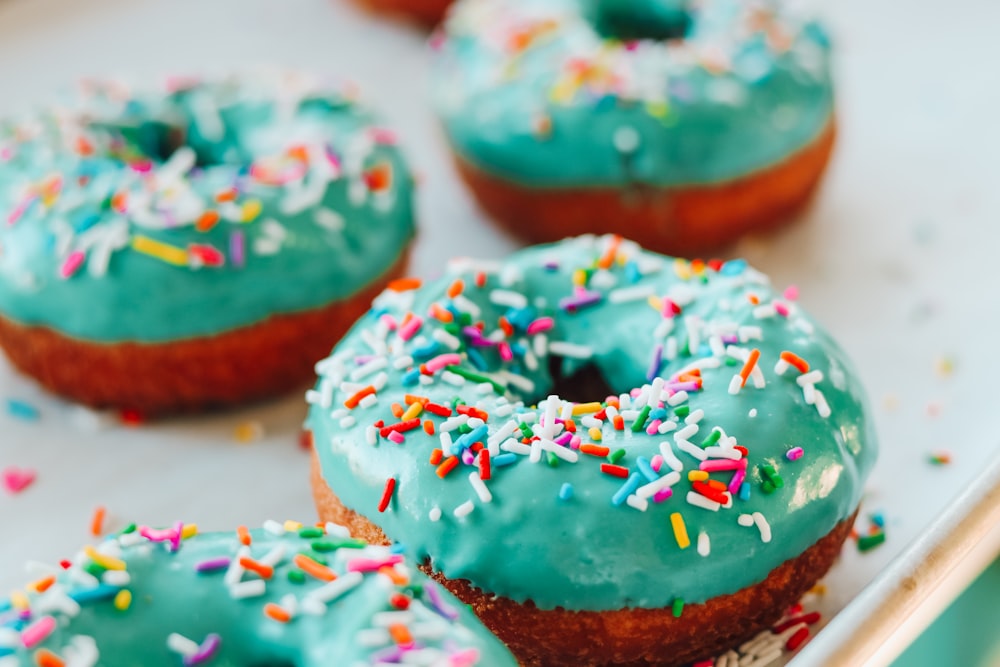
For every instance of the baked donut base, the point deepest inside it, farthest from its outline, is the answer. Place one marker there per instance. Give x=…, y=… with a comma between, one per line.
x=682, y=221
x=427, y=13
x=245, y=364
x=624, y=637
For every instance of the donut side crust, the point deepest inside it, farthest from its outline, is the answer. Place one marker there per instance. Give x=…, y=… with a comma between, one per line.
x=682, y=221
x=627, y=637
x=238, y=366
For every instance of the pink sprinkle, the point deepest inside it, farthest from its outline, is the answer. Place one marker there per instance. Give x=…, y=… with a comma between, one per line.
x=662, y=495
x=175, y=538
x=717, y=465
x=575, y=442
x=791, y=293
x=142, y=166
x=653, y=425
x=564, y=439
x=442, y=360
x=19, y=210
x=464, y=658
x=468, y=457
x=540, y=325
x=372, y=565
x=73, y=262
x=410, y=329
x=670, y=308
x=794, y=454
x=389, y=321
x=781, y=308
x=397, y=437
x=734, y=483
x=383, y=136
x=37, y=632
x=656, y=463
x=16, y=480
x=505, y=352
x=237, y=248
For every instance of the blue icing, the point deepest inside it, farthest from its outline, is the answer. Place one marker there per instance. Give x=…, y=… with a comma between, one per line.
x=533, y=90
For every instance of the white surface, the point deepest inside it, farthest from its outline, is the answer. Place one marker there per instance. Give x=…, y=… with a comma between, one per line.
x=896, y=257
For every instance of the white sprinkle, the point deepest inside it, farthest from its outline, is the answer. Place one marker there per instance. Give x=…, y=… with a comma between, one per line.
x=274, y=556
x=119, y=578
x=636, y=502
x=368, y=401
x=626, y=139
x=701, y=501
x=371, y=435
x=704, y=544
x=629, y=415
x=434, y=514
x=565, y=453
x=809, y=394
x=446, y=339
x=484, y=388
x=723, y=453
x=235, y=571
x=781, y=367
x=745, y=520
x=513, y=446
x=812, y=377
x=669, y=457
x=666, y=427
x=735, y=385
x=652, y=488
x=272, y=527
x=502, y=297
x=765, y=311
x=366, y=369
x=371, y=637
x=749, y=333
x=765, y=659
x=677, y=398
x=464, y=509
x=571, y=350
x=752, y=413
x=694, y=450
x=347, y=422
x=695, y=417
x=248, y=589
x=333, y=590
x=530, y=360
x=452, y=378
x=822, y=407
x=480, y=487
x=336, y=530
x=501, y=434
x=405, y=361
x=328, y=219
x=182, y=645
x=540, y=345
x=759, y=639
x=453, y=423
x=466, y=306
x=686, y=433
x=670, y=348
x=384, y=619
x=627, y=294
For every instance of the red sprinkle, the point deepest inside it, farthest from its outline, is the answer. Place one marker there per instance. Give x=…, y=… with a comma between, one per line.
x=615, y=471
x=709, y=492
x=439, y=410
x=402, y=427
x=808, y=619
x=390, y=486
x=472, y=412
x=484, y=464
x=797, y=638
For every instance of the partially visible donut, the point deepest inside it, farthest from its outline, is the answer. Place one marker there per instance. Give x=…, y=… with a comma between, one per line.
x=683, y=125
x=285, y=595
x=197, y=246
x=616, y=457
x=427, y=13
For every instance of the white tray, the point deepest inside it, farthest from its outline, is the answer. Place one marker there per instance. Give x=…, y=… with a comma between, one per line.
x=908, y=215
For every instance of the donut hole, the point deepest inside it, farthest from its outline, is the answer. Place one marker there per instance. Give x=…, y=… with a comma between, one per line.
x=659, y=20
x=158, y=141
x=583, y=385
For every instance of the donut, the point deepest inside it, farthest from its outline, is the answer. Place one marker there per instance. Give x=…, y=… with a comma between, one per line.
x=427, y=13
x=285, y=594
x=683, y=125
x=196, y=246
x=616, y=457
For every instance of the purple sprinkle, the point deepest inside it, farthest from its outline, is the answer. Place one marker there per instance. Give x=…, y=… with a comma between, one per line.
x=564, y=439
x=468, y=458
x=363, y=359
x=390, y=655
x=675, y=387
x=213, y=564
x=731, y=339
x=581, y=299
x=205, y=651
x=794, y=454
x=237, y=248
x=440, y=606
x=654, y=365
x=551, y=265
x=475, y=337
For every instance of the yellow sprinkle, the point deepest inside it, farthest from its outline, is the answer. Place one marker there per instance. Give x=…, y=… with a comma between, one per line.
x=248, y=432
x=586, y=408
x=19, y=601
x=697, y=476
x=413, y=411
x=107, y=562
x=818, y=589
x=162, y=251
x=580, y=278
x=680, y=530
x=657, y=109
x=189, y=531
x=292, y=526
x=656, y=302
x=123, y=600
x=595, y=434
x=682, y=269
x=563, y=91
x=251, y=210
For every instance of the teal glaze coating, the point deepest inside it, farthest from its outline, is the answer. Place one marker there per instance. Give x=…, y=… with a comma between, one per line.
x=317, y=205
x=539, y=93
x=596, y=549
x=169, y=596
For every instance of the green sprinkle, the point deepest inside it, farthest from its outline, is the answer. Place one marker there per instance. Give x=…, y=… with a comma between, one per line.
x=297, y=576
x=640, y=421
x=310, y=533
x=730, y=361
x=678, y=607
x=131, y=528
x=316, y=557
x=324, y=546
x=685, y=351
x=475, y=377
x=682, y=411
x=465, y=319
x=866, y=542
x=616, y=456
x=767, y=487
x=464, y=428
x=712, y=438
x=94, y=569
x=552, y=459
x=525, y=430
x=453, y=328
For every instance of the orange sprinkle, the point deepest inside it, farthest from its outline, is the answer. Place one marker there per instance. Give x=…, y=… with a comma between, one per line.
x=754, y=299
x=400, y=634
x=716, y=484
x=226, y=195
x=748, y=366
x=46, y=658
x=244, y=535
x=314, y=569
x=428, y=427
x=119, y=201
x=97, y=522
x=405, y=284
x=264, y=571
x=436, y=456
x=446, y=467
x=410, y=399
x=84, y=147
x=608, y=258
x=394, y=575
x=698, y=266
x=507, y=327
x=207, y=220
x=277, y=613
x=619, y=422
x=570, y=425
x=595, y=450
x=397, y=410
x=441, y=315
x=455, y=288
x=353, y=401
x=299, y=152
x=42, y=585
x=800, y=364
